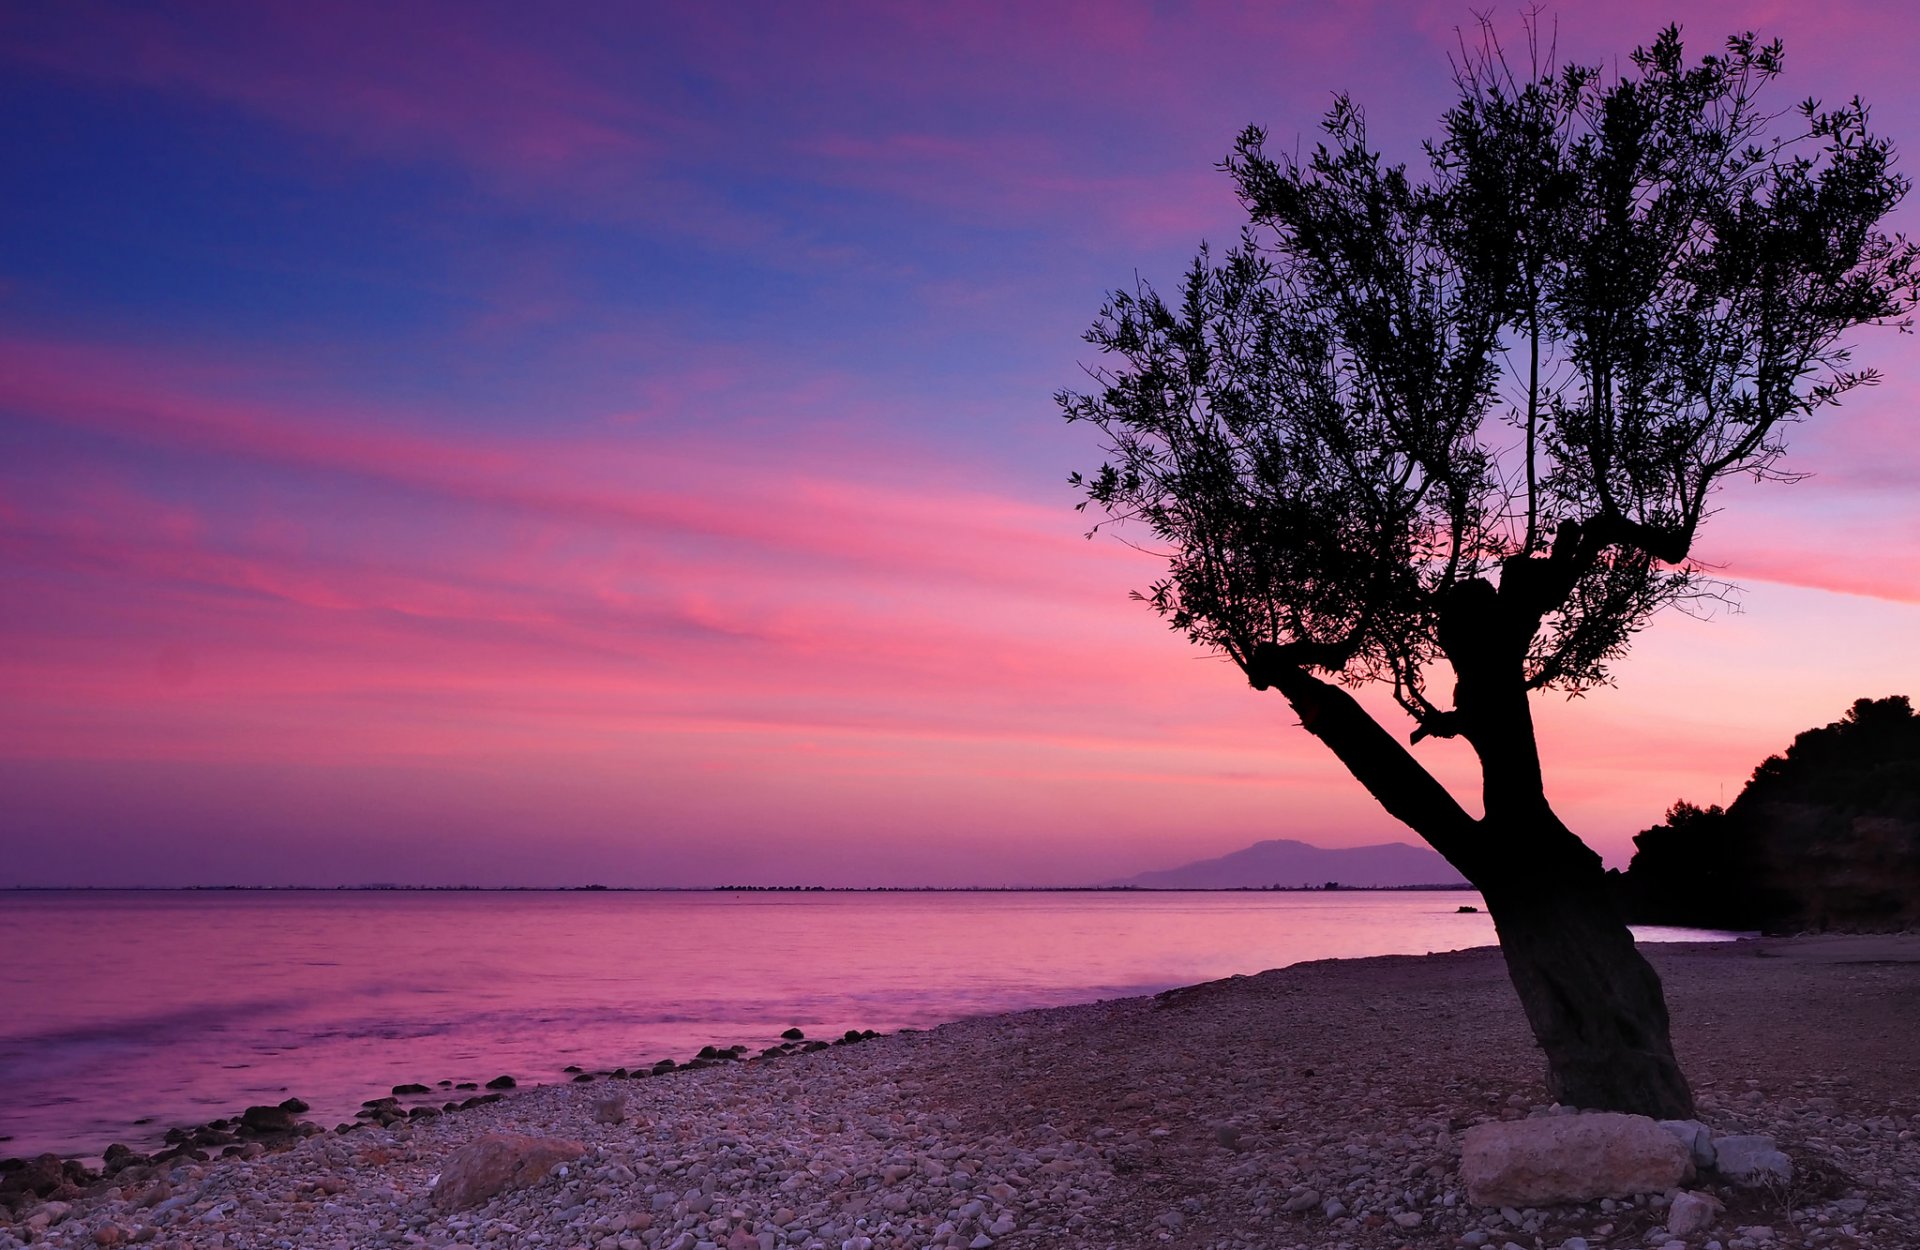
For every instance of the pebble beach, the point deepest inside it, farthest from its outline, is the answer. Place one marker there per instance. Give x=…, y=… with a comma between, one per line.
x=1320, y=1105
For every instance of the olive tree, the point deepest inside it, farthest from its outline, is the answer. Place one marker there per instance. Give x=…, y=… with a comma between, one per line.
x=1456, y=430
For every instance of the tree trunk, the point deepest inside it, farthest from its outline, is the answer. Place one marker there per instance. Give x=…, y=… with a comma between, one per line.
x=1595, y=1004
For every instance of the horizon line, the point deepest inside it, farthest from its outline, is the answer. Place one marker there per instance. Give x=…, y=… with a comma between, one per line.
x=1325, y=888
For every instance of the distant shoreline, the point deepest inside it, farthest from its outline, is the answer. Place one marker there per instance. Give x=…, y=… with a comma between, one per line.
x=732, y=889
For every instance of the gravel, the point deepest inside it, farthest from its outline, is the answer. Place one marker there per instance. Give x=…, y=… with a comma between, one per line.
x=1319, y=1106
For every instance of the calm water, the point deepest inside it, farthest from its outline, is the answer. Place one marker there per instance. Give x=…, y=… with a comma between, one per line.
x=182, y=1007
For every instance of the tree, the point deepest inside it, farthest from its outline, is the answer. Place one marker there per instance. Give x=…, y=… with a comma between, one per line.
x=1456, y=432
x=1826, y=835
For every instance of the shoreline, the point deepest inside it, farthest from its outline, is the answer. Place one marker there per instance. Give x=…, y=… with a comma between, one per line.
x=156, y=1134
x=1212, y=1108
x=1335, y=888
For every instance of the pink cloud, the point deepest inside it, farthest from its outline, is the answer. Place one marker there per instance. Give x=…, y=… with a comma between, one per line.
x=797, y=618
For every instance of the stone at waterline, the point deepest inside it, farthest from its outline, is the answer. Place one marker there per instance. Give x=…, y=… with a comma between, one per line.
x=43, y=1176
x=1751, y=1159
x=268, y=1120
x=1692, y=1213
x=496, y=1163
x=501, y=1082
x=793, y=1035
x=1570, y=1158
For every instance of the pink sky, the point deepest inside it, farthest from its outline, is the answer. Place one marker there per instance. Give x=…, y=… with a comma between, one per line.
x=446, y=448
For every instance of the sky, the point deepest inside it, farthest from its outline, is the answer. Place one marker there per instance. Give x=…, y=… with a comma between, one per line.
x=501, y=444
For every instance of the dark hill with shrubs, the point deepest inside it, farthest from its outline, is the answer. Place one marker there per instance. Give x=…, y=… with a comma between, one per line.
x=1824, y=837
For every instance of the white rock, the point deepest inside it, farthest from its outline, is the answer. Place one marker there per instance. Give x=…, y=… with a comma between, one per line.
x=1576, y=1158
x=1697, y=1138
x=1751, y=1159
x=1692, y=1213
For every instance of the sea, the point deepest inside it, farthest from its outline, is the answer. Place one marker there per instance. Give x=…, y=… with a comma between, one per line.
x=123, y=1014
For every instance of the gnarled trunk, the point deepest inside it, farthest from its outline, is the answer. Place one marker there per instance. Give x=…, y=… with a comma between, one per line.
x=1594, y=1002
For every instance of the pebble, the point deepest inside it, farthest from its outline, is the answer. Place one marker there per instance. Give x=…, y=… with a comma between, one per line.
x=1097, y=1127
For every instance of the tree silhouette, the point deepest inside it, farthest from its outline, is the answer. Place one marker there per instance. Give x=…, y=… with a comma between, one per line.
x=1456, y=433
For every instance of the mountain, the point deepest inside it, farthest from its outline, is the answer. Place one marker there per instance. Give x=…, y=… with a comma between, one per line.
x=1284, y=862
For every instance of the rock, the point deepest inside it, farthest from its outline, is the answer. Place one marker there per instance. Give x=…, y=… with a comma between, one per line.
x=295, y=1105
x=42, y=1177
x=793, y=1035
x=501, y=1082
x=610, y=1110
x=1407, y=1219
x=494, y=1164
x=1751, y=1159
x=1570, y=1158
x=1305, y=1200
x=267, y=1120
x=1692, y=1213
x=401, y=1091
x=1697, y=1138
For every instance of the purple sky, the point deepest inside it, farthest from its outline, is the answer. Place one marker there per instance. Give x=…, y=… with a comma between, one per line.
x=529, y=444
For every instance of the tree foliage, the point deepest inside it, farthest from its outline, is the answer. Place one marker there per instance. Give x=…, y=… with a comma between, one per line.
x=1826, y=833
x=1521, y=371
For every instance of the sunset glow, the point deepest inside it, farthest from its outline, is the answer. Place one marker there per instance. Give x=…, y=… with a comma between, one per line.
x=446, y=447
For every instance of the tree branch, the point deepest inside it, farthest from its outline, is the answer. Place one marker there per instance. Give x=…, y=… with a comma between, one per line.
x=1376, y=759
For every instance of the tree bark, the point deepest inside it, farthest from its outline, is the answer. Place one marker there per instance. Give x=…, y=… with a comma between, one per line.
x=1595, y=1004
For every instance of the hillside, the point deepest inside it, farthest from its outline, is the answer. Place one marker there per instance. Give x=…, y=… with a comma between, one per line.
x=1287, y=863
x=1825, y=836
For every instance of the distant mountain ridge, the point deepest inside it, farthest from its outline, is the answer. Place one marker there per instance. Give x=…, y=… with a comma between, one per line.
x=1289, y=863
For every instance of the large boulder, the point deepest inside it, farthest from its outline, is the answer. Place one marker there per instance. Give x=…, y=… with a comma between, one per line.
x=1570, y=1158
x=492, y=1165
